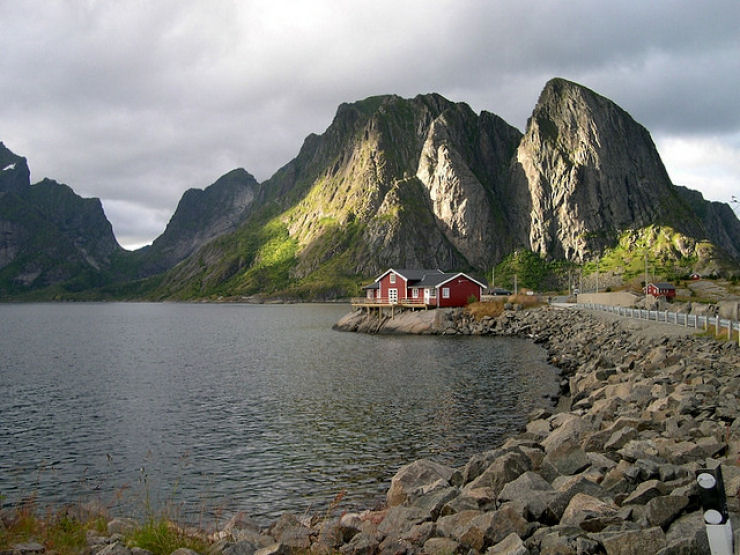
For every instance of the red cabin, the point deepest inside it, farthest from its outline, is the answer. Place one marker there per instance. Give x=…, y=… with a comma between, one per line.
x=423, y=287
x=661, y=290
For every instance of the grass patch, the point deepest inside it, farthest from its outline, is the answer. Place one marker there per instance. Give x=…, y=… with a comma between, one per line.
x=162, y=537
x=63, y=531
x=495, y=308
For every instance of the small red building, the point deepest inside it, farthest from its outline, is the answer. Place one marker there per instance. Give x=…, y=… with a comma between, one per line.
x=423, y=287
x=661, y=289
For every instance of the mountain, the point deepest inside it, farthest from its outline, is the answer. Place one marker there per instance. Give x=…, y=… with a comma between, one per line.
x=392, y=182
x=48, y=234
x=426, y=182
x=201, y=215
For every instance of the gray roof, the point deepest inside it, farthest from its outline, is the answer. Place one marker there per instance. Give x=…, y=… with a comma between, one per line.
x=664, y=285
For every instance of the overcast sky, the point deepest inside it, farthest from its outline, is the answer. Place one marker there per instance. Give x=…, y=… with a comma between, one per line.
x=136, y=101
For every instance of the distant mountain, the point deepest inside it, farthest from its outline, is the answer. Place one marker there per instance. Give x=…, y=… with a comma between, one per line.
x=48, y=234
x=422, y=182
x=201, y=215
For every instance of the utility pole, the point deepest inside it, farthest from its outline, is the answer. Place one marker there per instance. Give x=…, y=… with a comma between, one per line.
x=646, y=273
x=493, y=280
x=516, y=289
x=597, y=275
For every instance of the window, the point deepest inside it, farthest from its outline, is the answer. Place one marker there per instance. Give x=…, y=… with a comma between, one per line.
x=370, y=294
x=415, y=292
x=445, y=292
x=392, y=296
x=393, y=278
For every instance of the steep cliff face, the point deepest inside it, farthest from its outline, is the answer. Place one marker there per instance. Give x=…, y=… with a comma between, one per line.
x=591, y=171
x=14, y=173
x=49, y=235
x=201, y=215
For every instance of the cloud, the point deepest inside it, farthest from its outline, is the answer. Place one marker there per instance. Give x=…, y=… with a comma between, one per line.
x=135, y=102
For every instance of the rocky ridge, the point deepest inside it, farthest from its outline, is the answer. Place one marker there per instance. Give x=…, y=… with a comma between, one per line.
x=611, y=470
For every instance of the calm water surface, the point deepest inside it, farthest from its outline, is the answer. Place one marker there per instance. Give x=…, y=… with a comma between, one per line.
x=261, y=408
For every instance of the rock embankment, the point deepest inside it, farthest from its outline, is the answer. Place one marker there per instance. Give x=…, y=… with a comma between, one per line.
x=613, y=472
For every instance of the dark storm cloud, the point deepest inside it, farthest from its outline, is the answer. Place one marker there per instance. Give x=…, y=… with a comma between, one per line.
x=134, y=102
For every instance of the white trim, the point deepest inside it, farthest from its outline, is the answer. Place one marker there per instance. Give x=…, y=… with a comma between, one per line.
x=457, y=276
x=445, y=292
x=414, y=292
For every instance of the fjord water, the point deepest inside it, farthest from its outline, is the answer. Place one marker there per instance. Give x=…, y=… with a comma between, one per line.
x=262, y=408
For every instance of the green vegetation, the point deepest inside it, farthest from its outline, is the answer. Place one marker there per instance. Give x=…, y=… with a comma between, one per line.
x=162, y=537
x=670, y=254
x=532, y=271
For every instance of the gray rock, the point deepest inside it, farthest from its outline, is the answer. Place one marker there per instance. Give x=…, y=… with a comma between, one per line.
x=566, y=459
x=531, y=492
x=361, y=544
x=447, y=524
x=243, y=547
x=478, y=499
x=633, y=542
x=645, y=491
x=572, y=487
x=400, y=519
x=441, y=546
x=122, y=526
x=619, y=438
x=184, y=551
x=432, y=502
x=490, y=528
x=502, y=471
x=589, y=513
x=115, y=548
x=28, y=547
x=510, y=545
x=295, y=537
x=416, y=479
x=661, y=511
x=687, y=535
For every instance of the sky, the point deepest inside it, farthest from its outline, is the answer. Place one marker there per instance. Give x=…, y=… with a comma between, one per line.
x=136, y=101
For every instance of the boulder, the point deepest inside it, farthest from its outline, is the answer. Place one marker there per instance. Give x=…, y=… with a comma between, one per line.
x=663, y=510
x=416, y=479
x=531, y=492
x=441, y=546
x=644, y=492
x=633, y=542
x=566, y=459
x=510, y=545
x=502, y=471
x=589, y=513
x=490, y=528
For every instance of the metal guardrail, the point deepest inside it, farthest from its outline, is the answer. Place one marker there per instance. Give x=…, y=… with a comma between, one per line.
x=668, y=317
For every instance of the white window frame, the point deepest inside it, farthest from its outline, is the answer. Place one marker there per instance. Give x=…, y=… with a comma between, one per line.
x=393, y=296
x=445, y=292
x=393, y=278
x=415, y=292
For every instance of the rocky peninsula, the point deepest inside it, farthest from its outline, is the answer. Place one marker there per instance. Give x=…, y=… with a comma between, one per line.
x=611, y=469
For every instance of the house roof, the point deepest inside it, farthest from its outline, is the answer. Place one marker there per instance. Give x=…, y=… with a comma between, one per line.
x=425, y=277
x=663, y=285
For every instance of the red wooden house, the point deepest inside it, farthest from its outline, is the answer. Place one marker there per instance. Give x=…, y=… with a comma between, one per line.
x=424, y=288
x=661, y=289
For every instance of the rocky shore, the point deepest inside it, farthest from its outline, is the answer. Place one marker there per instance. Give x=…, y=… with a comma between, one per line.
x=610, y=470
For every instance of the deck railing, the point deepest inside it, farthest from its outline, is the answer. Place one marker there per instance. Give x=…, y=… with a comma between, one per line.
x=385, y=301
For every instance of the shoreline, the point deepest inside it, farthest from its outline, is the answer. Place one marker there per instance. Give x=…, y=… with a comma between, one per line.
x=610, y=470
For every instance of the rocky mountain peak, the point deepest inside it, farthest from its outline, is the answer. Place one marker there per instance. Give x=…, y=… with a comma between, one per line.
x=14, y=173
x=591, y=170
